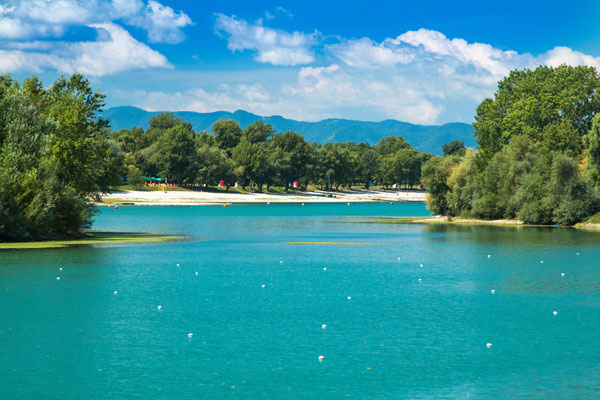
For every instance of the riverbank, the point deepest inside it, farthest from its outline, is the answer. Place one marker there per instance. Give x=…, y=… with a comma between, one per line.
x=591, y=226
x=178, y=198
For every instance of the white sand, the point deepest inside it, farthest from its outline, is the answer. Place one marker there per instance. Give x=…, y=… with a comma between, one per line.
x=208, y=198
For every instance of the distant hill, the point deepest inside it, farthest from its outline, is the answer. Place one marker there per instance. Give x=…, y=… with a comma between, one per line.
x=423, y=137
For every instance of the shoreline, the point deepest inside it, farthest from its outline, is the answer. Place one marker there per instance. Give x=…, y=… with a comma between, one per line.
x=441, y=220
x=192, y=198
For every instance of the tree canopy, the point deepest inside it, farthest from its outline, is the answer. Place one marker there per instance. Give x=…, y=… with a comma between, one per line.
x=538, y=155
x=56, y=156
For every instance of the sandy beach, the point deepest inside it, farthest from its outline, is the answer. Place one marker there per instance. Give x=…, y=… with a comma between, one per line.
x=154, y=198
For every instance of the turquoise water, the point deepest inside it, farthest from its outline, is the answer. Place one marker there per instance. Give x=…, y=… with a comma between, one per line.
x=396, y=338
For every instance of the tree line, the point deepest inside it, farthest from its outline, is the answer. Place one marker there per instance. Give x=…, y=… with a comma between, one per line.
x=260, y=158
x=55, y=157
x=58, y=155
x=538, y=155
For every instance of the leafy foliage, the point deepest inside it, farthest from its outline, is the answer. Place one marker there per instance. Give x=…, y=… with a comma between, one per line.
x=538, y=155
x=55, y=157
x=258, y=156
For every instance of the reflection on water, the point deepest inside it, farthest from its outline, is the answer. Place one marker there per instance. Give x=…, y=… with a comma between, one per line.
x=515, y=235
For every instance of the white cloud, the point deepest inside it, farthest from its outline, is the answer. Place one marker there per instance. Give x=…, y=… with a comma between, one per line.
x=419, y=76
x=272, y=46
x=117, y=52
x=26, y=19
x=23, y=22
x=564, y=55
x=364, y=53
x=162, y=23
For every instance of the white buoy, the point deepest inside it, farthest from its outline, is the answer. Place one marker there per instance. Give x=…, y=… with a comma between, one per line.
x=348, y=203
x=190, y=334
x=58, y=278
x=489, y=345
x=489, y=255
x=398, y=258
x=281, y=262
x=419, y=279
x=268, y=202
x=349, y=297
x=562, y=274
x=493, y=291
x=325, y=269
x=321, y=358
x=554, y=312
x=577, y=253
x=263, y=285
x=178, y=265
x=421, y=265
x=196, y=272
x=159, y=307
x=323, y=326
x=116, y=292
x=60, y=269
x=541, y=262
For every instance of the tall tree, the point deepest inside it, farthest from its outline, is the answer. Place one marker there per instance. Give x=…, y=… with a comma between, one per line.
x=527, y=102
x=227, y=134
x=454, y=147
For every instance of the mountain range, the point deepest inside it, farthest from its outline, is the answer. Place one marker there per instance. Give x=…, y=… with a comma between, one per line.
x=428, y=138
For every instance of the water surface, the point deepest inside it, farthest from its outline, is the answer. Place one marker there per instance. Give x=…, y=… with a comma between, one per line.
x=396, y=337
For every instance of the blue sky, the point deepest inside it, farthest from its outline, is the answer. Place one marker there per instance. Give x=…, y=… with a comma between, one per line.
x=425, y=62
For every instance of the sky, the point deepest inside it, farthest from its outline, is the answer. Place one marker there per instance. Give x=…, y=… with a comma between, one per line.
x=425, y=62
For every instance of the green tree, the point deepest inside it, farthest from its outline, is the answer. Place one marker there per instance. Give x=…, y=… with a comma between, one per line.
x=527, y=102
x=454, y=147
x=391, y=145
x=592, y=144
x=289, y=156
x=55, y=156
x=176, y=153
x=571, y=196
x=227, y=133
x=368, y=165
x=258, y=132
x=436, y=173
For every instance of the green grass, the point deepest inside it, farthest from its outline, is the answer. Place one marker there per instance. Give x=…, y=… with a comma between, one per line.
x=430, y=220
x=94, y=238
x=594, y=219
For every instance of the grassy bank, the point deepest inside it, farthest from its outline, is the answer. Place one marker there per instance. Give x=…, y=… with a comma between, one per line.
x=449, y=221
x=94, y=238
x=592, y=224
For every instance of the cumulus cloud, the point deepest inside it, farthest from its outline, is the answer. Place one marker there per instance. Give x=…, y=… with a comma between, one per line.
x=116, y=52
x=272, y=46
x=162, y=23
x=27, y=19
x=32, y=35
x=365, y=53
x=418, y=76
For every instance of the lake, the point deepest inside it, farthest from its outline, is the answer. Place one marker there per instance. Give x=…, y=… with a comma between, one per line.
x=408, y=312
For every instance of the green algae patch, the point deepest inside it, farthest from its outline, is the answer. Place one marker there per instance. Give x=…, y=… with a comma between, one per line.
x=95, y=238
x=340, y=243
